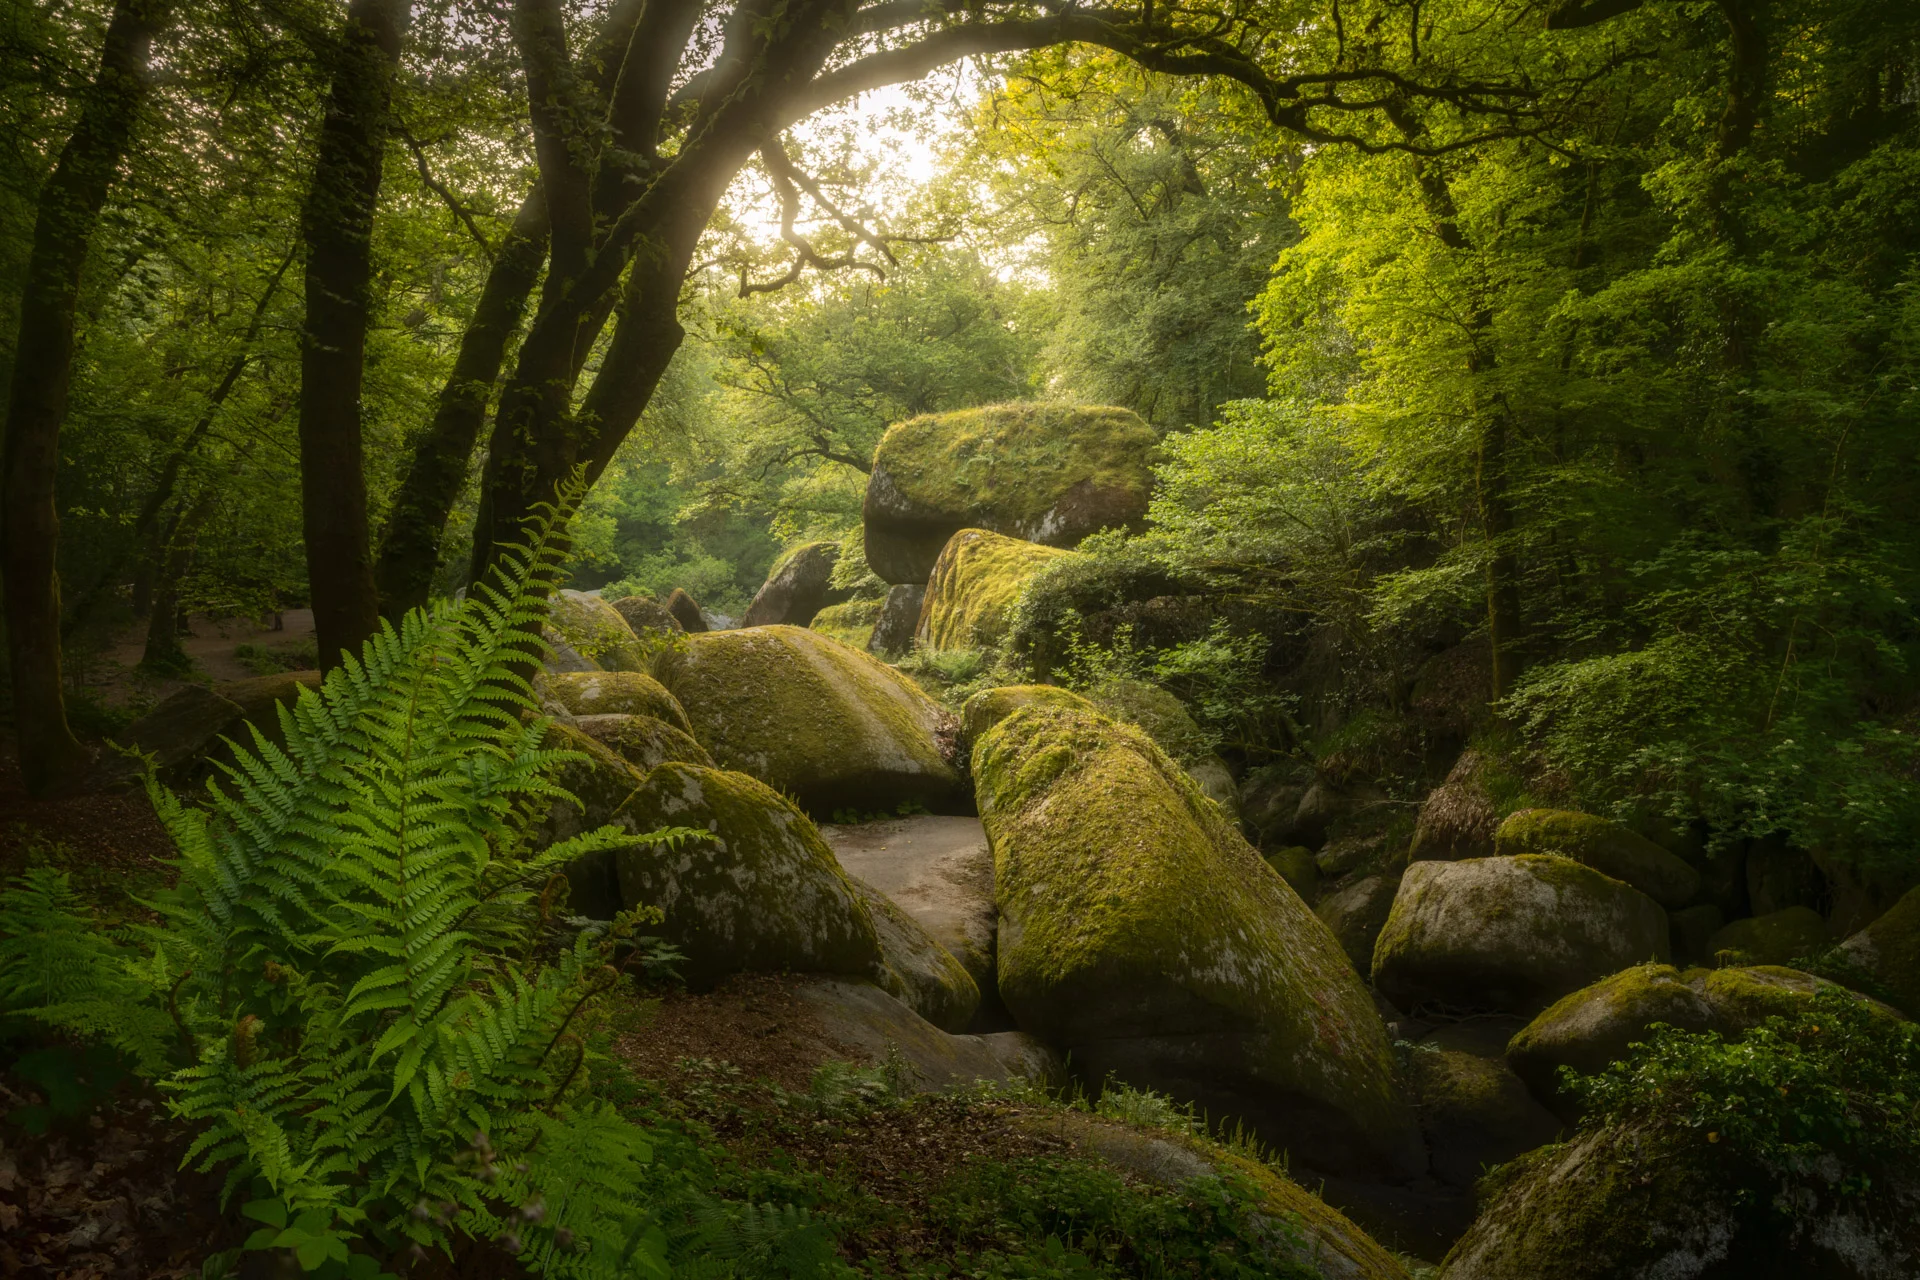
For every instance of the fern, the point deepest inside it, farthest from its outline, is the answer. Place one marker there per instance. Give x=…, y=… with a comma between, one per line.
x=383, y=1033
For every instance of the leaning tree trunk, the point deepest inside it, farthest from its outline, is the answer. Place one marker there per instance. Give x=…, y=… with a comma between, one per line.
x=337, y=226
x=51, y=757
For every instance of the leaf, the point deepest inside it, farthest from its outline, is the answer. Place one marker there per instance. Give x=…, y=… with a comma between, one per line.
x=271, y=1212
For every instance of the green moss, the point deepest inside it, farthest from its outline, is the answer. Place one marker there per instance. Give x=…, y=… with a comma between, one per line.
x=1131, y=907
x=975, y=584
x=1774, y=938
x=990, y=706
x=822, y=722
x=643, y=741
x=850, y=623
x=1888, y=953
x=1605, y=846
x=1007, y=464
x=763, y=893
x=1161, y=714
x=1297, y=867
x=596, y=631
x=1747, y=996
x=616, y=693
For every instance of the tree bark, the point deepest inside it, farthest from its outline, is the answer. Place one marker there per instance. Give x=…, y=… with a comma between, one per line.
x=337, y=227
x=410, y=548
x=51, y=757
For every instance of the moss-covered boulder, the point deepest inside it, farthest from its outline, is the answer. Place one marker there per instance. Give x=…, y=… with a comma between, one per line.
x=183, y=733
x=1593, y=1026
x=1296, y=866
x=1323, y=1241
x=974, y=586
x=1458, y=818
x=1887, y=953
x=1040, y=472
x=1475, y=1113
x=686, y=611
x=1356, y=913
x=881, y=1028
x=595, y=630
x=916, y=968
x=643, y=741
x=1510, y=934
x=799, y=585
x=615, y=693
x=990, y=706
x=762, y=893
x=897, y=620
x=828, y=725
x=1167, y=721
x=648, y=619
x=1630, y=1200
x=850, y=623
x=600, y=782
x=1607, y=847
x=1142, y=934
x=1778, y=937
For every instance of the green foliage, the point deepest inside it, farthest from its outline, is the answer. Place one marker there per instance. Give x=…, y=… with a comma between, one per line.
x=1146, y=1108
x=1841, y=1078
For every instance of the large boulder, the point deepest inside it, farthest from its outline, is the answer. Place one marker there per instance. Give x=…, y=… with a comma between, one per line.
x=614, y=693
x=897, y=620
x=685, y=610
x=643, y=741
x=828, y=725
x=599, y=781
x=1475, y=1113
x=1778, y=937
x=938, y=870
x=882, y=1028
x=1510, y=934
x=761, y=892
x=975, y=584
x=799, y=585
x=850, y=623
x=648, y=619
x=1356, y=913
x=1593, y=1027
x=1167, y=721
x=1887, y=953
x=185, y=730
x=593, y=629
x=916, y=968
x=1607, y=847
x=990, y=706
x=1458, y=818
x=1629, y=1199
x=1141, y=934
x=1043, y=473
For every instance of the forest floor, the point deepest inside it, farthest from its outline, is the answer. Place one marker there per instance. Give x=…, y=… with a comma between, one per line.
x=218, y=650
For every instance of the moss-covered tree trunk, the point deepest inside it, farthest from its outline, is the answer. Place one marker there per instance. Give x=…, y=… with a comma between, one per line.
x=70, y=203
x=337, y=227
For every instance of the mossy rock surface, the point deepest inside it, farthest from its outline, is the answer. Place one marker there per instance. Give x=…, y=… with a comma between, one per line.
x=685, y=610
x=643, y=741
x=1628, y=1201
x=1045, y=473
x=974, y=586
x=798, y=586
x=1458, y=818
x=1330, y=1243
x=762, y=893
x=878, y=1026
x=1141, y=933
x=1778, y=937
x=1606, y=846
x=990, y=706
x=595, y=630
x=1887, y=953
x=1475, y=1113
x=1593, y=1027
x=602, y=781
x=897, y=620
x=1296, y=866
x=1510, y=934
x=916, y=968
x=824, y=723
x=850, y=623
x=1356, y=913
x=647, y=618
x=616, y=693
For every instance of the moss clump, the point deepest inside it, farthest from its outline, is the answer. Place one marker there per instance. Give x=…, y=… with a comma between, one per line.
x=850, y=623
x=990, y=706
x=763, y=893
x=824, y=723
x=1775, y=938
x=596, y=631
x=1888, y=953
x=1132, y=911
x=975, y=584
x=644, y=742
x=1006, y=466
x=1161, y=714
x=1593, y=1026
x=616, y=693
x=1607, y=847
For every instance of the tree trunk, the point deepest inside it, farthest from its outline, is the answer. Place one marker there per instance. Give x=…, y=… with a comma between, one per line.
x=51, y=757
x=1505, y=629
x=337, y=226
x=163, y=652
x=410, y=547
